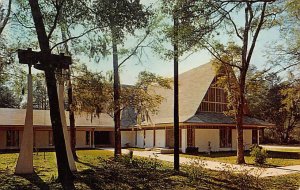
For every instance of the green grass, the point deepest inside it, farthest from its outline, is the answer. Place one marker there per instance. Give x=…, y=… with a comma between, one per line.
x=136, y=149
x=275, y=158
x=96, y=170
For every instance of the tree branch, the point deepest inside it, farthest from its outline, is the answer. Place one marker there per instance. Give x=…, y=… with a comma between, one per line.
x=29, y=27
x=256, y=33
x=135, y=49
x=5, y=20
x=218, y=56
x=58, y=12
x=74, y=37
x=232, y=22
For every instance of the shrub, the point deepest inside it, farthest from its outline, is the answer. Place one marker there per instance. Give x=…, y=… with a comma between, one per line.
x=243, y=177
x=260, y=155
x=196, y=169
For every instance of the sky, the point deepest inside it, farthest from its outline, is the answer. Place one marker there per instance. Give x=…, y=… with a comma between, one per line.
x=152, y=62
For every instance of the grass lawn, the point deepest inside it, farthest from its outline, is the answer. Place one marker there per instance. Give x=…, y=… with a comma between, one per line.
x=275, y=158
x=97, y=170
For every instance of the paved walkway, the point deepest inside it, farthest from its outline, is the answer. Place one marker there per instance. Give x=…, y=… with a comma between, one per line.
x=219, y=166
x=288, y=147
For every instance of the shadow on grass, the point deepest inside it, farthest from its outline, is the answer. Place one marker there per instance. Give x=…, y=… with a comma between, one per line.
x=284, y=155
x=216, y=154
x=86, y=164
x=35, y=180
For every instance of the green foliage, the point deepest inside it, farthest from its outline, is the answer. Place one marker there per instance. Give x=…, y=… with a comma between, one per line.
x=259, y=154
x=142, y=97
x=276, y=101
x=197, y=20
x=243, y=177
x=40, y=96
x=120, y=16
x=7, y=98
x=92, y=93
x=196, y=169
x=284, y=53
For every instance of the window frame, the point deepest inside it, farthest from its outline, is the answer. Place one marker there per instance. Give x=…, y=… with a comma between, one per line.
x=12, y=138
x=225, y=132
x=87, y=137
x=50, y=135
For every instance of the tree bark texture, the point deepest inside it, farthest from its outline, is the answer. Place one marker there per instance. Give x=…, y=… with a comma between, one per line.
x=176, y=100
x=4, y=22
x=117, y=111
x=64, y=173
x=239, y=120
x=72, y=120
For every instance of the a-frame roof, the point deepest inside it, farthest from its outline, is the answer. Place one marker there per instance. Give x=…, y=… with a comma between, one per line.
x=193, y=85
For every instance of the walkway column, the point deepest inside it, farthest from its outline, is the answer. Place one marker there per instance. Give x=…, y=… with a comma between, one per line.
x=183, y=140
x=93, y=138
x=25, y=160
x=60, y=91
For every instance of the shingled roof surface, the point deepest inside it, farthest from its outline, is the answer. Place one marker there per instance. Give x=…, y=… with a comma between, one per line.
x=16, y=117
x=220, y=118
x=193, y=85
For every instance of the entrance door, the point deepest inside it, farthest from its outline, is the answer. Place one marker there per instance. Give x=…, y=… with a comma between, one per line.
x=170, y=138
x=254, y=136
x=190, y=137
x=103, y=138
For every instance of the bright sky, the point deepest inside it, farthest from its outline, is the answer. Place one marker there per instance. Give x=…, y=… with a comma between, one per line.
x=152, y=62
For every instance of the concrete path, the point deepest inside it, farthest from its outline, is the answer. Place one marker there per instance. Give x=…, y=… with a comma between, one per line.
x=219, y=166
x=288, y=147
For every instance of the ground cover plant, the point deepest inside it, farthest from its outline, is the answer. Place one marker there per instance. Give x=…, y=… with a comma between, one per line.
x=97, y=169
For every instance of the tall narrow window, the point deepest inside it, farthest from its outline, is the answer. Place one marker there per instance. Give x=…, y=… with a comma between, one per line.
x=87, y=138
x=190, y=137
x=215, y=99
x=225, y=138
x=12, y=138
x=50, y=138
x=254, y=136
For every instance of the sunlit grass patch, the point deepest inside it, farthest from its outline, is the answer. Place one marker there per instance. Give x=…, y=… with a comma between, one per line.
x=98, y=170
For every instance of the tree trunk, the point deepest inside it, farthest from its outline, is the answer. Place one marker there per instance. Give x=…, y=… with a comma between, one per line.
x=239, y=125
x=4, y=22
x=117, y=111
x=72, y=120
x=64, y=173
x=176, y=103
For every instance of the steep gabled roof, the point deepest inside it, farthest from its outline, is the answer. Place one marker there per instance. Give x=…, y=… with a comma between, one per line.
x=193, y=85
